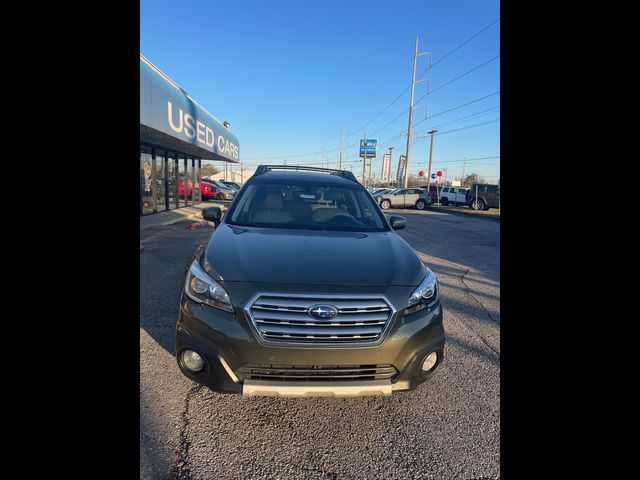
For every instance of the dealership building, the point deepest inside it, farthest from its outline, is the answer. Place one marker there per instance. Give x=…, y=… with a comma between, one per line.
x=176, y=134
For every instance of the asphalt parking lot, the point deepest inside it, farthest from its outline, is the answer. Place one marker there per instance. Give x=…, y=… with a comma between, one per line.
x=448, y=428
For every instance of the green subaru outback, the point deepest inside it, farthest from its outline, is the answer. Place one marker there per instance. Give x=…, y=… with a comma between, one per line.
x=305, y=289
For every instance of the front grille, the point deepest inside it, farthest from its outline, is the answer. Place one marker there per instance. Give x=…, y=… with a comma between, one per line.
x=316, y=373
x=285, y=319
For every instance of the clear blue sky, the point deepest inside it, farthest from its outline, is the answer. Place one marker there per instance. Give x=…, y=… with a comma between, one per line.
x=288, y=74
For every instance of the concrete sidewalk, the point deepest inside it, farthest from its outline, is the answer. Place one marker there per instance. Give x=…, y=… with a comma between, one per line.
x=192, y=212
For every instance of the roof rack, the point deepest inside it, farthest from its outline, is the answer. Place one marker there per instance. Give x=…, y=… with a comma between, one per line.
x=341, y=173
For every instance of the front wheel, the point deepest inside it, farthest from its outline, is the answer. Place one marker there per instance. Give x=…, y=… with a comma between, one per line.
x=420, y=204
x=477, y=204
x=385, y=204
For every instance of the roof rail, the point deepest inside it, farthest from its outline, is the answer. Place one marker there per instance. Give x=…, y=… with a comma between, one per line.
x=342, y=173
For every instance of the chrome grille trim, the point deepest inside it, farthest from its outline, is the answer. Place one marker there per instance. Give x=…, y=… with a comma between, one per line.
x=282, y=319
x=316, y=373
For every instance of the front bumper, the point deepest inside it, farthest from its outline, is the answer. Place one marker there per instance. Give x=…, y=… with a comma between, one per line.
x=226, y=343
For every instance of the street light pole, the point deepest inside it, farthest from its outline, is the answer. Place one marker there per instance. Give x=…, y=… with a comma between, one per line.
x=430, y=156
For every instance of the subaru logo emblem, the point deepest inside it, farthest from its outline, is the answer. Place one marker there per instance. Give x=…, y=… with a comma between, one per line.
x=323, y=312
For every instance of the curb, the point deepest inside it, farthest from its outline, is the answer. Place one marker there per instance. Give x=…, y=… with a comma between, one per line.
x=471, y=215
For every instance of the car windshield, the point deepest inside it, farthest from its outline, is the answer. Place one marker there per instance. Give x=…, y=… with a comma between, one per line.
x=306, y=205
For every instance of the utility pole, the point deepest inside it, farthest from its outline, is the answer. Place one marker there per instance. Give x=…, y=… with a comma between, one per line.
x=430, y=156
x=340, y=166
x=413, y=84
x=464, y=162
x=241, y=173
x=370, y=162
x=445, y=176
x=364, y=163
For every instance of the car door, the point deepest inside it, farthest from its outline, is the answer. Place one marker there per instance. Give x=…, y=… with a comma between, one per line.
x=397, y=199
x=411, y=197
x=492, y=195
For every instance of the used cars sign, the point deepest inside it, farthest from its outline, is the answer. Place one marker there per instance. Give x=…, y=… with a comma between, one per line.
x=164, y=106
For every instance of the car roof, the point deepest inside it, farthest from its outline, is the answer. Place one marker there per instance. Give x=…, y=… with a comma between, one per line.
x=300, y=176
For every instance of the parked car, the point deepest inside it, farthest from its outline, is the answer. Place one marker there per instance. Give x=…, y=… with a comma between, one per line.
x=233, y=185
x=284, y=299
x=382, y=191
x=224, y=192
x=488, y=196
x=453, y=195
x=433, y=190
x=405, y=197
x=207, y=189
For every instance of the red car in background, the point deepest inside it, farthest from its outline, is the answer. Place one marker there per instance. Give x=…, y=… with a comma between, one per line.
x=433, y=190
x=207, y=190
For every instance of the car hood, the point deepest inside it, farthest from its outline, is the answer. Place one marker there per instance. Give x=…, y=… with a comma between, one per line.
x=247, y=254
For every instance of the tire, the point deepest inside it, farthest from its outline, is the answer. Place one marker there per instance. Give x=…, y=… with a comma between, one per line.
x=444, y=201
x=477, y=206
x=385, y=204
x=421, y=204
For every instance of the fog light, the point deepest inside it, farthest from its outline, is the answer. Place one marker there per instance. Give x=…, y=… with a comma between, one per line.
x=430, y=361
x=192, y=360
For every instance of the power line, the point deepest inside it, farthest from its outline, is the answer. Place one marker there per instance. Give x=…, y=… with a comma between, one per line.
x=467, y=116
x=470, y=126
x=404, y=57
x=458, y=77
x=459, y=106
x=428, y=93
x=459, y=46
x=439, y=18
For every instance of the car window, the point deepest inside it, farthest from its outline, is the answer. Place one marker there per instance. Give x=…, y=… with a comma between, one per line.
x=492, y=188
x=309, y=206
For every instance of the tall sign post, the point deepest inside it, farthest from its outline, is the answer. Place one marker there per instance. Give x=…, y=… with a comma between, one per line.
x=367, y=150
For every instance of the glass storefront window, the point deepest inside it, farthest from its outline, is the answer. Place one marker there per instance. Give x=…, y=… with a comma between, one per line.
x=183, y=186
x=196, y=181
x=172, y=170
x=168, y=179
x=146, y=184
x=161, y=175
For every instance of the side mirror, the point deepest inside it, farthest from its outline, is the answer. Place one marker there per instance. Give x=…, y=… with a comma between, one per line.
x=212, y=214
x=397, y=222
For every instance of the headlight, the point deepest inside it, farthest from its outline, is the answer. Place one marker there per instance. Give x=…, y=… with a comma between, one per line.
x=425, y=294
x=201, y=288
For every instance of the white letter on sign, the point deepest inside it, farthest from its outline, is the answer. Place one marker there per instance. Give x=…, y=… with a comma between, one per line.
x=209, y=136
x=188, y=124
x=200, y=128
x=170, y=115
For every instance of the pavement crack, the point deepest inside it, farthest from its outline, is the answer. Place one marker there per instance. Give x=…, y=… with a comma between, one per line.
x=468, y=292
x=181, y=469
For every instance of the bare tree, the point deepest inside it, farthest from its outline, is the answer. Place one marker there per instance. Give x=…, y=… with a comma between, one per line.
x=472, y=178
x=207, y=170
